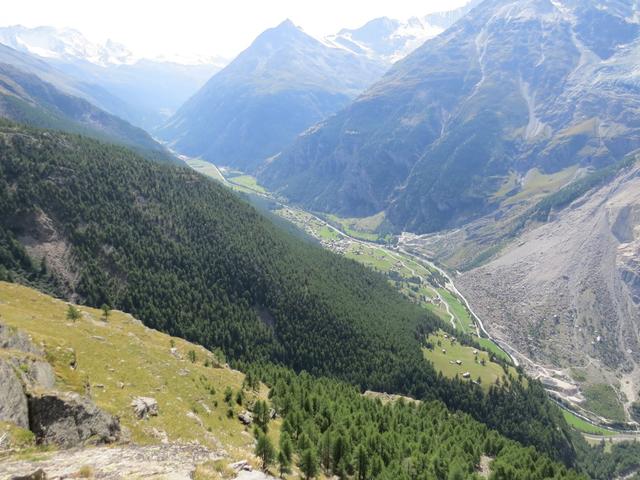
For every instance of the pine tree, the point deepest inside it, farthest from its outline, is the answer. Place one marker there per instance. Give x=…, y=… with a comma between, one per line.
x=362, y=459
x=261, y=415
x=265, y=451
x=73, y=313
x=286, y=447
x=309, y=464
x=106, y=312
x=325, y=450
x=284, y=464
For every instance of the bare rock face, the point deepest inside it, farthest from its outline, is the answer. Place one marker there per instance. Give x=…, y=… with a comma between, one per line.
x=69, y=420
x=41, y=374
x=13, y=339
x=13, y=401
x=144, y=407
x=566, y=293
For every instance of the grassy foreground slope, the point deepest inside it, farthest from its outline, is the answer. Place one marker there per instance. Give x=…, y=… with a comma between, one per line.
x=117, y=358
x=99, y=224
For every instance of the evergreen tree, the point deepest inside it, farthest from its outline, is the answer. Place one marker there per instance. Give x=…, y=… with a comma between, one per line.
x=265, y=451
x=261, y=415
x=73, y=313
x=325, y=450
x=362, y=462
x=309, y=463
x=106, y=312
x=284, y=464
x=286, y=447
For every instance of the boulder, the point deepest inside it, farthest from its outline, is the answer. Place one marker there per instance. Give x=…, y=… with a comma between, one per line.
x=241, y=465
x=143, y=407
x=69, y=420
x=246, y=417
x=13, y=401
x=39, y=474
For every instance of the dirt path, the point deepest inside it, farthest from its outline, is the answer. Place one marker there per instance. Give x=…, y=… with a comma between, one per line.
x=174, y=461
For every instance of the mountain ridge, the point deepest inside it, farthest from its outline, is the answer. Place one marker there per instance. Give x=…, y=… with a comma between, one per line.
x=427, y=142
x=148, y=90
x=279, y=86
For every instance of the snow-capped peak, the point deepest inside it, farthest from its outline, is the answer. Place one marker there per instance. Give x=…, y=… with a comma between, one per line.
x=64, y=44
x=390, y=40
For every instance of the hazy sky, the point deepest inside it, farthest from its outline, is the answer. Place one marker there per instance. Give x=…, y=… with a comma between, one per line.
x=200, y=27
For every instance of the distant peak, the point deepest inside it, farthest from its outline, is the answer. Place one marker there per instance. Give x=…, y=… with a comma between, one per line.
x=287, y=24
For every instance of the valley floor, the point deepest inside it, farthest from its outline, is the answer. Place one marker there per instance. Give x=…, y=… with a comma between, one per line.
x=418, y=277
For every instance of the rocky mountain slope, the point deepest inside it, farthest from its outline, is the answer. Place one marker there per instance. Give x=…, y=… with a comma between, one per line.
x=566, y=293
x=450, y=125
x=278, y=87
x=558, y=281
x=148, y=90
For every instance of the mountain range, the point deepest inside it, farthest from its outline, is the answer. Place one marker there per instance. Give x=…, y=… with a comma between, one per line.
x=388, y=40
x=149, y=90
x=448, y=126
x=34, y=93
x=502, y=145
x=498, y=142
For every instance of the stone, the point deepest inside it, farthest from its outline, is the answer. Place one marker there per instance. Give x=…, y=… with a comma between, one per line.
x=69, y=420
x=42, y=374
x=144, y=407
x=35, y=374
x=13, y=400
x=246, y=417
x=12, y=339
x=241, y=465
x=39, y=474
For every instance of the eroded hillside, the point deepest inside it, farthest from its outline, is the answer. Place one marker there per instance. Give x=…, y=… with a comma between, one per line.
x=565, y=292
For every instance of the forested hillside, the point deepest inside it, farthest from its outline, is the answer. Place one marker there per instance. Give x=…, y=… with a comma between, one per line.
x=350, y=434
x=100, y=224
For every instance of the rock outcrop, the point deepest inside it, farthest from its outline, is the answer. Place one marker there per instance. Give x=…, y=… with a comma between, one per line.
x=28, y=398
x=13, y=401
x=246, y=418
x=144, y=407
x=39, y=474
x=12, y=339
x=69, y=420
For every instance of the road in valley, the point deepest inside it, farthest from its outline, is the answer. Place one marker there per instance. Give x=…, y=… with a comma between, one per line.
x=428, y=264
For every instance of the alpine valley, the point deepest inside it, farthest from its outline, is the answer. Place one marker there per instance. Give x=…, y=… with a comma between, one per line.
x=408, y=250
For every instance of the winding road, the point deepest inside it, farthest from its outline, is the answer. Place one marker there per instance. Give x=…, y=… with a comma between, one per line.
x=513, y=354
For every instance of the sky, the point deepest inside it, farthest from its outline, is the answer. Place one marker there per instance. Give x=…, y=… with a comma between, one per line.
x=206, y=28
